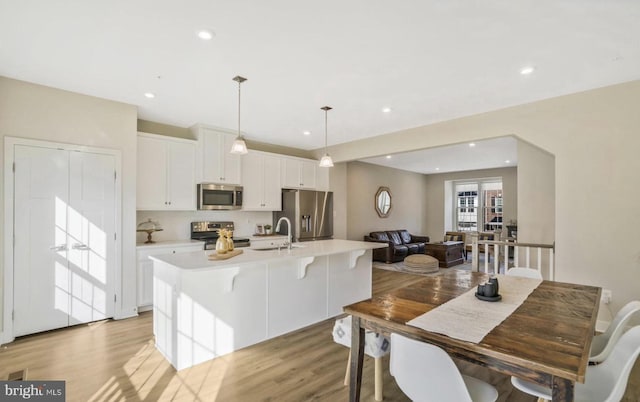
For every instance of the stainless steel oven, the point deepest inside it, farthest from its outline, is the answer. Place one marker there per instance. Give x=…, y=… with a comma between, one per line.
x=219, y=196
x=208, y=233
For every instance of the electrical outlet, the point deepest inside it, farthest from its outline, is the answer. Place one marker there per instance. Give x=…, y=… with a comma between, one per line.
x=606, y=296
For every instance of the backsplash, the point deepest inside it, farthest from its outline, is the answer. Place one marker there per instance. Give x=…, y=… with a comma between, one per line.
x=176, y=224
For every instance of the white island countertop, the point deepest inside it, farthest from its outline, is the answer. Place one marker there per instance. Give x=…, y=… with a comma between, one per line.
x=198, y=260
x=169, y=243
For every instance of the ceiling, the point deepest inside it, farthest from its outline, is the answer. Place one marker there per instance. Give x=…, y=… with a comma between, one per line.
x=494, y=153
x=428, y=61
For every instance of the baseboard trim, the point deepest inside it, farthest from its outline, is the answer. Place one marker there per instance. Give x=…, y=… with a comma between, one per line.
x=125, y=316
x=4, y=341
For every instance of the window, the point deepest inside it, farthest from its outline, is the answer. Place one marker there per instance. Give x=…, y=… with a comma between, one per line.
x=467, y=207
x=478, y=205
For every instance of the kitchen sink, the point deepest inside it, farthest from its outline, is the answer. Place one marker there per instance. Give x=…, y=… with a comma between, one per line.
x=281, y=247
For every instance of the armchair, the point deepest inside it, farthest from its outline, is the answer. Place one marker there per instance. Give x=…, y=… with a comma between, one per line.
x=482, y=248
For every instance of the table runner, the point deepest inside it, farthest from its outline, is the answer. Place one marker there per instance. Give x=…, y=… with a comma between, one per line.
x=470, y=319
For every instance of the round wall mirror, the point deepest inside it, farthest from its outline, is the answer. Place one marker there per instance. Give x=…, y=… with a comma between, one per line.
x=383, y=202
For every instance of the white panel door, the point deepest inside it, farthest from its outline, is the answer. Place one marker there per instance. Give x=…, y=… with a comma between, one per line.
x=64, y=253
x=41, y=278
x=90, y=236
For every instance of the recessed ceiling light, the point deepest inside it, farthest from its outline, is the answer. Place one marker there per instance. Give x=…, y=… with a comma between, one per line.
x=205, y=35
x=388, y=156
x=306, y=132
x=507, y=161
x=527, y=70
x=437, y=168
x=150, y=95
x=386, y=109
x=472, y=144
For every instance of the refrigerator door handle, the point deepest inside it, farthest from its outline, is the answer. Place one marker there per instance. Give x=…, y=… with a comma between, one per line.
x=306, y=223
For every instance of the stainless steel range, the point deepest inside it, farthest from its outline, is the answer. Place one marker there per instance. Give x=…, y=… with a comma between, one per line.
x=208, y=232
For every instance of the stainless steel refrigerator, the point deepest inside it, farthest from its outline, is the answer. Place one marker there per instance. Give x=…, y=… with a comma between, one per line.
x=310, y=213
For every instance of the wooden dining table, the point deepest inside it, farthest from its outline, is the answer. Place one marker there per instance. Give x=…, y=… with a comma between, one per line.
x=546, y=340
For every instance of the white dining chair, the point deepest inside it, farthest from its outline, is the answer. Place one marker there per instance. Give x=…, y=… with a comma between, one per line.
x=425, y=372
x=603, y=344
x=605, y=382
x=525, y=272
x=375, y=345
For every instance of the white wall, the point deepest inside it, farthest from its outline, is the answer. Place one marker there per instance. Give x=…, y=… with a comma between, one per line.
x=536, y=167
x=43, y=113
x=338, y=184
x=595, y=140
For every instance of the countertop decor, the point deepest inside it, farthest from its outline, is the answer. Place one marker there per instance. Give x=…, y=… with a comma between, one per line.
x=149, y=227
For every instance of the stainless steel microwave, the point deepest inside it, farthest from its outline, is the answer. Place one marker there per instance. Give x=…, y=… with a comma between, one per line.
x=219, y=196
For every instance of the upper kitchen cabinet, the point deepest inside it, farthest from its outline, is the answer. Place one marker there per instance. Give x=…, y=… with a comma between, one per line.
x=322, y=178
x=166, y=173
x=261, y=182
x=298, y=172
x=215, y=163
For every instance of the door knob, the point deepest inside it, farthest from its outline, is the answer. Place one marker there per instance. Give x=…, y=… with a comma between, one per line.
x=60, y=247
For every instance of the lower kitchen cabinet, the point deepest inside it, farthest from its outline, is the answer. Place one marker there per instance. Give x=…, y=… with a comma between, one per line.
x=145, y=266
x=297, y=294
x=350, y=281
x=203, y=311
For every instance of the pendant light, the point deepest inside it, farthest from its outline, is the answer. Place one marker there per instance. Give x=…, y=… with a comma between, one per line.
x=326, y=159
x=239, y=147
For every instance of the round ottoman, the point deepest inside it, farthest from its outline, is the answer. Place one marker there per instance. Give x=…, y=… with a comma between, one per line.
x=421, y=264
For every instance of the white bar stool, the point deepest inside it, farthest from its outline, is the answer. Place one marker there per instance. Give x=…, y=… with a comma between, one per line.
x=375, y=345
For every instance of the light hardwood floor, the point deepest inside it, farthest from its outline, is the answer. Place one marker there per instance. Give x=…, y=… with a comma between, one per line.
x=116, y=361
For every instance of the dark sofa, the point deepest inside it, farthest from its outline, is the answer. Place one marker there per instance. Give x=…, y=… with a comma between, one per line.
x=400, y=243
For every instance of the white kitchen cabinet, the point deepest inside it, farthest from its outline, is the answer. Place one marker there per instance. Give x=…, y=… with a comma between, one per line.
x=322, y=178
x=215, y=162
x=199, y=316
x=261, y=182
x=350, y=278
x=145, y=266
x=203, y=309
x=299, y=173
x=297, y=294
x=166, y=173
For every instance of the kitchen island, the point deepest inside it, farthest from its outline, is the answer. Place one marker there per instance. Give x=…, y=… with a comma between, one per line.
x=203, y=309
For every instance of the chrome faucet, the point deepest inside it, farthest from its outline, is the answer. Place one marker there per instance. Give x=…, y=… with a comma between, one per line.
x=288, y=229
